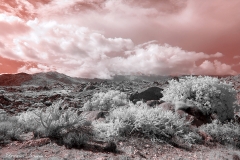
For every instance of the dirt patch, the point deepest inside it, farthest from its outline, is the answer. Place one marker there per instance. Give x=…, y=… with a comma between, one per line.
x=133, y=148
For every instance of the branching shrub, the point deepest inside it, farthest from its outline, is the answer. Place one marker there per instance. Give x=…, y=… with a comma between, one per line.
x=52, y=120
x=106, y=101
x=209, y=94
x=155, y=123
x=228, y=133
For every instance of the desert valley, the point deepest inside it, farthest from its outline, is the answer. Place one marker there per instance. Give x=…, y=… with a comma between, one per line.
x=21, y=93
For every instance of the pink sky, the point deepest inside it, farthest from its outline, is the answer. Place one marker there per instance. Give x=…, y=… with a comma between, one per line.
x=101, y=38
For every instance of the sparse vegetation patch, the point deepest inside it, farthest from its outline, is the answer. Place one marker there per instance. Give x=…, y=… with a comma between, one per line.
x=109, y=119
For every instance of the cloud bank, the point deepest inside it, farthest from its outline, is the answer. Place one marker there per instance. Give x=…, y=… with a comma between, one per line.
x=101, y=38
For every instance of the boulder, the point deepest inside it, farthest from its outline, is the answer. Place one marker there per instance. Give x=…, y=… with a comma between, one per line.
x=93, y=115
x=167, y=106
x=206, y=137
x=194, y=121
x=152, y=93
x=48, y=103
x=153, y=103
x=110, y=146
x=195, y=115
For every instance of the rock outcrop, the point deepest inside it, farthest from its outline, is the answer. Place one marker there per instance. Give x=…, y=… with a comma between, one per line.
x=195, y=115
x=151, y=93
x=167, y=106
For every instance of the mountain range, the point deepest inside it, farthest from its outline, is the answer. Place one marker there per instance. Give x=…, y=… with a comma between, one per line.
x=52, y=78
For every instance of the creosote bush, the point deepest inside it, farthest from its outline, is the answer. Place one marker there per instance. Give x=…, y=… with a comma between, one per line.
x=51, y=121
x=154, y=123
x=209, y=94
x=106, y=101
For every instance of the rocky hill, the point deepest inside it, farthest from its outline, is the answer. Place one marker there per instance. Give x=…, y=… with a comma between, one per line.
x=38, y=79
x=14, y=79
x=55, y=78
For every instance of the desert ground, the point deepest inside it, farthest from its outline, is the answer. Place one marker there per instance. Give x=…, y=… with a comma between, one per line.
x=20, y=93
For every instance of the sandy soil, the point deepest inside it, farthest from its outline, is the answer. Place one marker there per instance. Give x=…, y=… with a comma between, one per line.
x=133, y=148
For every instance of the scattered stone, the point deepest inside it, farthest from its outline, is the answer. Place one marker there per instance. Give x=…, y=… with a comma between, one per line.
x=5, y=101
x=52, y=98
x=35, y=143
x=27, y=136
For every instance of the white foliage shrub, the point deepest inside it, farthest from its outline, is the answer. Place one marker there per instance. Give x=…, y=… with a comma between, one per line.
x=29, y=119
x=106, y=101
x=227, y=133
x=209, y=94
x=52, y=119
x=3, y=115
x=155, y=123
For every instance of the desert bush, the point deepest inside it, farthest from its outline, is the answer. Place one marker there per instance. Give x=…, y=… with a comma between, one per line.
x=3, y=115
x=51, y=121
x=225, y=133
x=10, y=130
x=106, y=101
x=209, y=94
x=5, y=127
x=75, y=139
x=154, y=123
x=29, y=119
